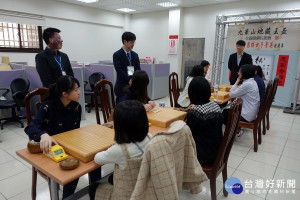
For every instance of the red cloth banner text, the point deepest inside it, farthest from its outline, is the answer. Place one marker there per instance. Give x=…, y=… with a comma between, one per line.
x=283, y=61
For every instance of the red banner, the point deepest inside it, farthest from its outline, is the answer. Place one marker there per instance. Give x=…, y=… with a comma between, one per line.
x=283, y=61
x=173, y=36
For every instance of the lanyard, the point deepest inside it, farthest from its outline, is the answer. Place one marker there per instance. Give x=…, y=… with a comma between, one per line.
x=128, y=56
x=59, y=62
x=139, y=147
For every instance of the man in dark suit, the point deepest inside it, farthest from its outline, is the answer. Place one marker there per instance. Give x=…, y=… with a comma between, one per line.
x=51, y=63
x=126, y=62
x=236, y=60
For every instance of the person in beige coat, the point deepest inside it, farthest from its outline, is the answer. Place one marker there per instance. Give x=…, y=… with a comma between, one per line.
x=169, y=166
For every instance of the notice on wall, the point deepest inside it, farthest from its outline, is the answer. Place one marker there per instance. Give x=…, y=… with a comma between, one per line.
x=283, y=62
x=280, y=36
x=266, y=63
x=173, y=44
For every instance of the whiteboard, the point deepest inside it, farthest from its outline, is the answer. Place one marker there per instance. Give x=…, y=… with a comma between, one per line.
x=266, y=63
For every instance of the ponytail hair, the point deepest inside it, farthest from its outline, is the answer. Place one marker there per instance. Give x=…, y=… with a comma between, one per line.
x=63, y=84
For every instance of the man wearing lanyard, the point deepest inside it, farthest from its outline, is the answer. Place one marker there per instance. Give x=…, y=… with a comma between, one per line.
x=236, y=60
x=126, y=62
x=51, y=63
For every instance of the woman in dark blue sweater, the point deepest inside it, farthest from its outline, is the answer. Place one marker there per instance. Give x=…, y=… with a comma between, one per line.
x=59, y=113
x=138, y=90
x=259, y=75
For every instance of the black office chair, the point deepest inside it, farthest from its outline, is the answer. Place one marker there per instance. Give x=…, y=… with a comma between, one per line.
x=19, y=88
x=93, y=79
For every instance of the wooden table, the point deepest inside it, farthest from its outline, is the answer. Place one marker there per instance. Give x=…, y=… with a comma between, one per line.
x=152, y=129
x=220, y=101
x=55, y=174
x=58, y=176
x=165, y=116
x=83, y=143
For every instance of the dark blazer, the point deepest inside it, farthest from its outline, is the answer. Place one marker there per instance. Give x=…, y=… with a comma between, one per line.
x=48, y=68
x=54, y=118
x=120, y=63
x=234, y=68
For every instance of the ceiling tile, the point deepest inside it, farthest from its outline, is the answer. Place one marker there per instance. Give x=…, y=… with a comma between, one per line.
x=144, y=5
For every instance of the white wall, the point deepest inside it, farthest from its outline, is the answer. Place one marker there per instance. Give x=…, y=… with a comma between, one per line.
x=151, y=30
x=198, y=22
x=88, y=42
x=89, y=34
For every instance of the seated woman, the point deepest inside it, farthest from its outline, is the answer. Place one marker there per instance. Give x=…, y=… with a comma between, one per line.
x=197, y=70
x=260, y=82
x=205, y=120
x=59, y=113
x=131, y=135
x=138, y=90
x=207, y=70
x=248, y=91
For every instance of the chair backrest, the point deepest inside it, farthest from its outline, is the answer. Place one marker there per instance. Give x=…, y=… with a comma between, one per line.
x=274, y=88
x=94, y=78
x=19, y=85
x=266, y=101
x=173, y=89
x=107, y=105
x=19, y=89
x=229, y=134
x=42, y=92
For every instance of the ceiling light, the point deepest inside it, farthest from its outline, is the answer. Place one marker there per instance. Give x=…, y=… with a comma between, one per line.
x=88, y=1
x=167, y=4
x=126, y=10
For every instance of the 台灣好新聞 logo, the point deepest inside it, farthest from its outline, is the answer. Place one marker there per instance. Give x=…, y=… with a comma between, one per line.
x=233, y=185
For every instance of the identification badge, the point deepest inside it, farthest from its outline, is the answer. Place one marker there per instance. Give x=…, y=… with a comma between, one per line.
x=63, y=73
x=130, y=70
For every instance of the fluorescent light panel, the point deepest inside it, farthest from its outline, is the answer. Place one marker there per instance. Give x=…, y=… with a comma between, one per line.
x=167, y=4
x=88, y=1
x=126, y=10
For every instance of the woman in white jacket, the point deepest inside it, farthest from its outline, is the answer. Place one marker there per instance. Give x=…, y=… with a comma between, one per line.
x=196, y=71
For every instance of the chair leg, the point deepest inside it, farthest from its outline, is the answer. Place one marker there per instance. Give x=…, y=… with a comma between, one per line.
x=268, y=120
x=259, y=133
x=14, y=118
x=264, y=125
x=92, y=104
x=49, y=186
x=224, y=174
x=255, y=138
x=213, y=189
x=33, y=187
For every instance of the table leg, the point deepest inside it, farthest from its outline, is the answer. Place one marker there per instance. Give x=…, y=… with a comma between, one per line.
x=54, y=189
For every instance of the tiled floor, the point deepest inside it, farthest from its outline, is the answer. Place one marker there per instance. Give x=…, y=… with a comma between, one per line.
x=277, y=159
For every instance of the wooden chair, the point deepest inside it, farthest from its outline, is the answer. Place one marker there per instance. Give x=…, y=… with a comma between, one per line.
x=220, y=164
x=273, y=93
x=42, y=92
x=256, y=124
x=106, y=105
x=174, y=90
x=269, y=102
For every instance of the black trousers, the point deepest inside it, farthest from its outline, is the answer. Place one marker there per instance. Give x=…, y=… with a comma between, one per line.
x=69, y=188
